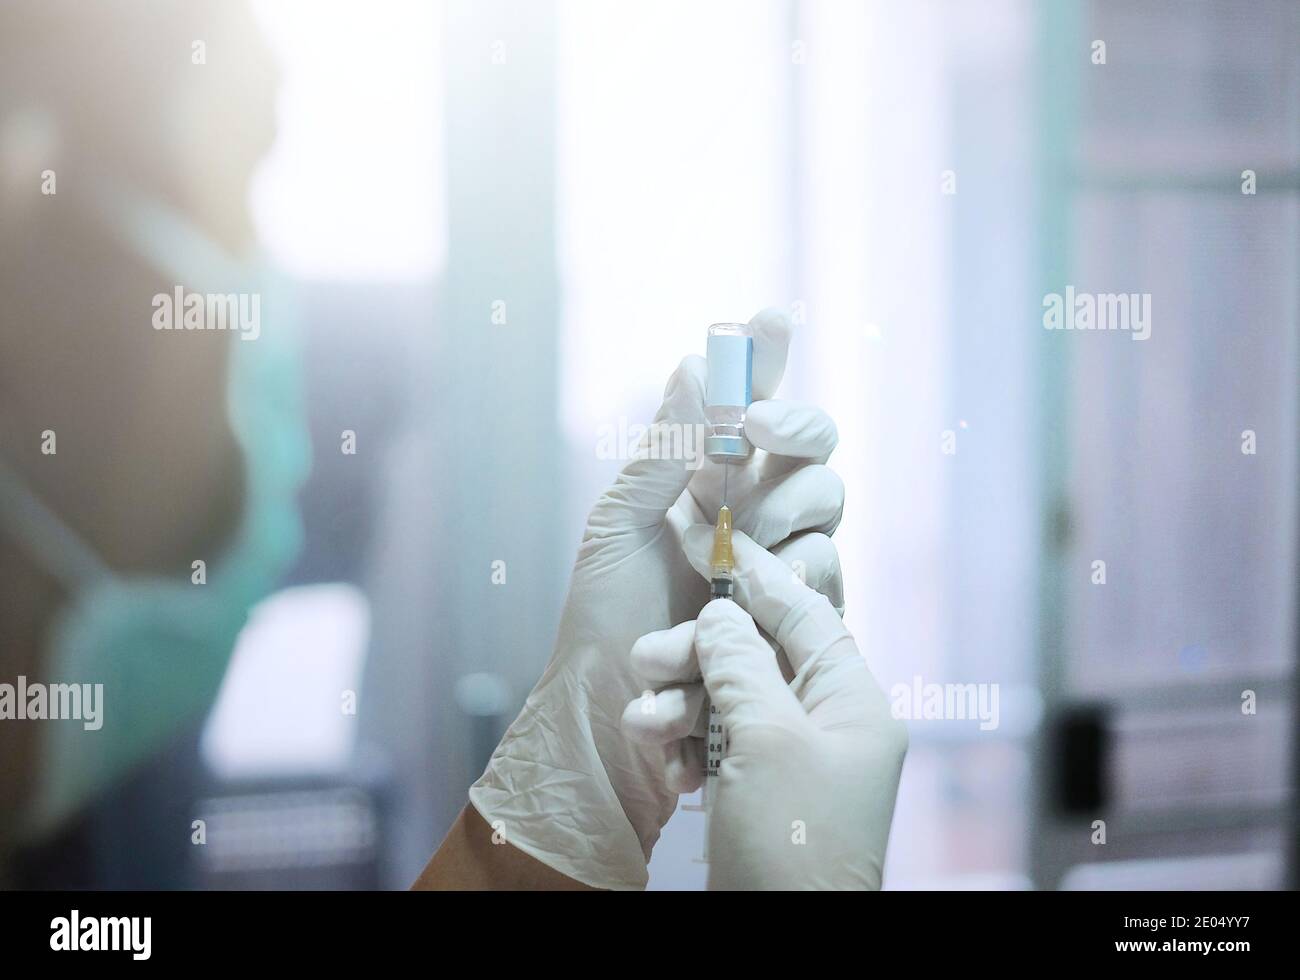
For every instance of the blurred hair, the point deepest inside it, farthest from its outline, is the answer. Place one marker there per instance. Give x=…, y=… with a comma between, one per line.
x=110, y=89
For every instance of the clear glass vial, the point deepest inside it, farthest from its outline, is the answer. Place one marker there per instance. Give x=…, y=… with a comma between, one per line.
x=729, y=390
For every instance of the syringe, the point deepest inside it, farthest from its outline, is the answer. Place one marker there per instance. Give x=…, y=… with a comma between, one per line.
x=721, y=586
x=728, y=393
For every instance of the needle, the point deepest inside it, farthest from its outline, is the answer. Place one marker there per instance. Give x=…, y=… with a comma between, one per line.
x=726, y=472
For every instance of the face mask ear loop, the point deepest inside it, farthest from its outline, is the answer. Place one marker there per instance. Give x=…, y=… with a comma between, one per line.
x=53, y=545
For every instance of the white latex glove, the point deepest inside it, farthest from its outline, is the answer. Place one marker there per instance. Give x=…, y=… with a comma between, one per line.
x=566, y=785
x=805, y=794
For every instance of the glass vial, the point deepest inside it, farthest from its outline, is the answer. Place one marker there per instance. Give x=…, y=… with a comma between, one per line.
x=728, y=392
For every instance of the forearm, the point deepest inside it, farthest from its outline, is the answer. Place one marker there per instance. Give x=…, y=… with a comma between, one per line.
x=468, y=860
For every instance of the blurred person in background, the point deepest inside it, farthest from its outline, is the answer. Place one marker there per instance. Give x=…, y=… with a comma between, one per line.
x=128, y=136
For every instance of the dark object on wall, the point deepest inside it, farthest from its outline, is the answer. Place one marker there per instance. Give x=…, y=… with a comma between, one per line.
x=1080, y=757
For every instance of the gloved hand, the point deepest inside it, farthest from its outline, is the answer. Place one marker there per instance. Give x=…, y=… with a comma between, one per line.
x=805, y=794
x=566, y=785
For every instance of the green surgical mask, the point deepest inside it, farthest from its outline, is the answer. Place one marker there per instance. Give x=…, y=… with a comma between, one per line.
x=158, y=645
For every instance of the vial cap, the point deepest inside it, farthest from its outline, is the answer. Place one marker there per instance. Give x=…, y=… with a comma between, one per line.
x=728, y=447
